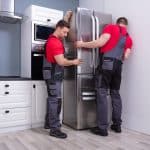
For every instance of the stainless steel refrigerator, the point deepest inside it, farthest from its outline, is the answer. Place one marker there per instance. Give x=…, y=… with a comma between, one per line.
x=79, y=95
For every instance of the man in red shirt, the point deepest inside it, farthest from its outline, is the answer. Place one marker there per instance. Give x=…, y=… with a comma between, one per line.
x=115, y=45
x=54, y=61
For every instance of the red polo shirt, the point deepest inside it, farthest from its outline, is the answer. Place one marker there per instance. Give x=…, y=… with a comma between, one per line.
x=54, y=47
x=115, y=30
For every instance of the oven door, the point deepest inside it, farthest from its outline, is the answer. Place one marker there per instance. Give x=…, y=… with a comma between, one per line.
x=41, y=32
x=37, y=65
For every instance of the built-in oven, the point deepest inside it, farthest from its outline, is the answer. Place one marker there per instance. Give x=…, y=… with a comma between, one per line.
x=40, y=33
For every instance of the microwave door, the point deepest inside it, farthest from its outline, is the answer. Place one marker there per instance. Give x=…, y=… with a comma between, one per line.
x=42, y=32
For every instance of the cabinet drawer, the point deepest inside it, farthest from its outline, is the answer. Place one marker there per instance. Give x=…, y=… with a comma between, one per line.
x=11, y=101
x=15, y=87
x=15, y=117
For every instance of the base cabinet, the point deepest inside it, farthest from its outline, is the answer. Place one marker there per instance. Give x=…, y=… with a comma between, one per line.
x=39, y=99
x=15, y=105
x=22, y=105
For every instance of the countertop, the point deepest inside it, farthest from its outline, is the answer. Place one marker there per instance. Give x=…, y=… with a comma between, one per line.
x=13, y=78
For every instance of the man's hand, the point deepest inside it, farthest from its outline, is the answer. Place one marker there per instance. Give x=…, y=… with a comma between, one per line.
x=79, y=44
x=77, y=61
x=68, y=16
x=127, y=53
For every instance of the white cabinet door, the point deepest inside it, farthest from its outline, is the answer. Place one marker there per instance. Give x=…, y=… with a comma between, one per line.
x=15, y=105
x=39, y=98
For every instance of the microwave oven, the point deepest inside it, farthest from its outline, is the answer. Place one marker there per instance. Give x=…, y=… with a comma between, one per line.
x=41, y=32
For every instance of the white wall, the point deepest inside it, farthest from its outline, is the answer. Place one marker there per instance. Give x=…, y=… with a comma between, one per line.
x=135, y=88
x=92, y=4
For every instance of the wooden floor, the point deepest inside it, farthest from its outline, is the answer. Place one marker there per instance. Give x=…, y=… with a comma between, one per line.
x=39, y=139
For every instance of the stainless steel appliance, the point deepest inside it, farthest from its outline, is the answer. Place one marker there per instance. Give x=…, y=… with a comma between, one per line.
x=40, y=34
x=79, y=96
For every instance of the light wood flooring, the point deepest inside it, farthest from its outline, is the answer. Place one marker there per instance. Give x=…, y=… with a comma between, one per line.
x=39, y=139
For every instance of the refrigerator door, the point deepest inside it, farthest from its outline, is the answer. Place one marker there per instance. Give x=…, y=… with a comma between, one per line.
x=85, y=25
x=101, y=20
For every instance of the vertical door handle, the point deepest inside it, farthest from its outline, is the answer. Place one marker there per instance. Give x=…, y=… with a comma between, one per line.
x=34, y=86
x=93, y=38
x=97, y=36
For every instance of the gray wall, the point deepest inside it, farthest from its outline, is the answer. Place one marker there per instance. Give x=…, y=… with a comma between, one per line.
x=10, y=34
x=97, y=5
x=136, y=70
x=135, y=89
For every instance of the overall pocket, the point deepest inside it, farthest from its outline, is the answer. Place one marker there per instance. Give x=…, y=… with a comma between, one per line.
x=53, y=89
x=46, y=74
x=107, y=64
x=58, y=76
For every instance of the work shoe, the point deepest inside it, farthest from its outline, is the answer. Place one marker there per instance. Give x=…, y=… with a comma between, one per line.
x=116, y=128
x=58, y=134
x=46, y=126
x=98, y=131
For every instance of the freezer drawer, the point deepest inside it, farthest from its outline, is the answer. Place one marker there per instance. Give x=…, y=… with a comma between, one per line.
x=86, y=82
x=86, y=102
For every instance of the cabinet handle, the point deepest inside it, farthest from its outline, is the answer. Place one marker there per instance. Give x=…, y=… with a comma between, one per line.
x=34, y=86
x=7, y=111
x=6, y=93
x=6, y=85
x=48, y=20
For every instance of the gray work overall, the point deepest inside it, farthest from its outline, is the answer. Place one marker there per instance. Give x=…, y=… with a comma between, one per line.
x=110, y=79
x=53, y=75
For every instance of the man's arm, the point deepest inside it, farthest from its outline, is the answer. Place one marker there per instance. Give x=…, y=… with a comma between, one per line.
x=62, y=61
x=101, y=41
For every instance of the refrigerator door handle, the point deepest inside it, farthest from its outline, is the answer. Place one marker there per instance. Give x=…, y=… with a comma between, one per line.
x=97, y=49
x=79, y=55
x=88, y=98
x=79, y=37
x=93, y=38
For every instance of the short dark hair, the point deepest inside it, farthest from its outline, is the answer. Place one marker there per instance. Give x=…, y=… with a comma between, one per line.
x=122, y=20
x=62, y=23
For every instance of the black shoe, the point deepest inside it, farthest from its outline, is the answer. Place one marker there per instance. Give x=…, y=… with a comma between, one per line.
x=116, y=128
x=46, y=126
x=58, y=134
x=98, y=131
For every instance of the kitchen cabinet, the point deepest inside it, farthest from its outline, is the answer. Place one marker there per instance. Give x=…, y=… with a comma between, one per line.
x=39, y=99
x=22, y=105
x=15, y=105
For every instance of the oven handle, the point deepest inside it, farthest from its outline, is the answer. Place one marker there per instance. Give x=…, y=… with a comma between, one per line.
x=36, y=55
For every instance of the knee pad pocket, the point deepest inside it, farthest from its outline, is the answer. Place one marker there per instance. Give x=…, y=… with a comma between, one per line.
x=52, y=90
